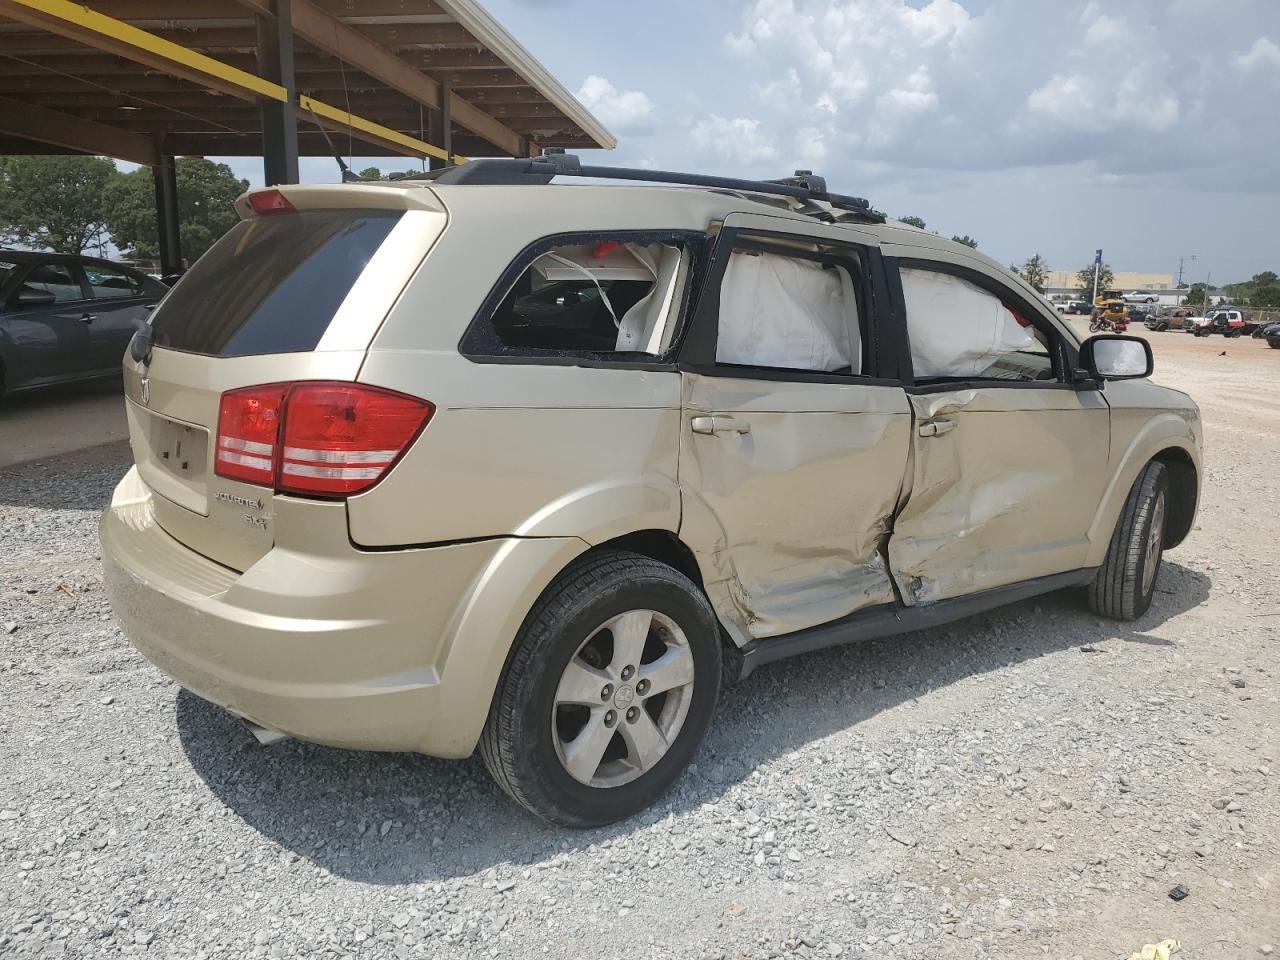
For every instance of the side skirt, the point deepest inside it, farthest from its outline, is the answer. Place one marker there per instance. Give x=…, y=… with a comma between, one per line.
x=889, y=619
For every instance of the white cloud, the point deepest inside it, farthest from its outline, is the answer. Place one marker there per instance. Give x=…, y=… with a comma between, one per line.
x=919, y=90
x=783, y=92
x=1102, y=28
x=739, y=140
x=629, y=111
x=1264, y=52
x=1089, y=103
x=914, y=95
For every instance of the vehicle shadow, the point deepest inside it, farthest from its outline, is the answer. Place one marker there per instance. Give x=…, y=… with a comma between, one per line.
x=403, y=818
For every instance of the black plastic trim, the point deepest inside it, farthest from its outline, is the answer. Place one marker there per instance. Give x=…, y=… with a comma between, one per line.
x=541, y=170
x=890, y=619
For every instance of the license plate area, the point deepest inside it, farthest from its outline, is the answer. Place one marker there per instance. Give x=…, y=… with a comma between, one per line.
x=172, y=457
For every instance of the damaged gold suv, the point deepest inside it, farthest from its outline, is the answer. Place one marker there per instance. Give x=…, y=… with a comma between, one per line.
x=482, y=459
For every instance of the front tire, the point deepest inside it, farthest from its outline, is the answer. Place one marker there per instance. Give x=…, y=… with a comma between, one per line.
x=607, y=693
x=1126, y=581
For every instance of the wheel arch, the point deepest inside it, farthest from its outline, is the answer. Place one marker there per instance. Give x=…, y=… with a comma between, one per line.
x=1168, y=438
x=1184, y=494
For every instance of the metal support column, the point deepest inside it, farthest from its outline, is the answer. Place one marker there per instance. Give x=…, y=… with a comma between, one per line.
x=279, y=118
x=165, y=175
x=440, y=130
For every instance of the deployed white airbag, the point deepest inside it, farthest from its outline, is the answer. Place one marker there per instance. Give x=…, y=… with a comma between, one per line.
x=780, y=311
x=957, y=329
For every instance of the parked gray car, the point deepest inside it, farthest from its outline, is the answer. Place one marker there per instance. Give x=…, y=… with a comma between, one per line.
x=66, y=318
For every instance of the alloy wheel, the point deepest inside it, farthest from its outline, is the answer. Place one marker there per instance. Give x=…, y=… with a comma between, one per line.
x=622, y=698
x=1155, y=538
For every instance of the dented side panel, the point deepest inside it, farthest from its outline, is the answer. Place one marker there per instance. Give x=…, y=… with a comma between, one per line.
x=788, y=520
x=1005, y=483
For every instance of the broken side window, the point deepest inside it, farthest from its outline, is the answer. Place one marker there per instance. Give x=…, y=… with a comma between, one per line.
x=606, y=297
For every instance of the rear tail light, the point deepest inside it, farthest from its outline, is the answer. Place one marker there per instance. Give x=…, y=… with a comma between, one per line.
x=315, y=438
x=249, y=432
x=270, y=201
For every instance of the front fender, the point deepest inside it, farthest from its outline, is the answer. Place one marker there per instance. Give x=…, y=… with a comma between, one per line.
x=1132, y=450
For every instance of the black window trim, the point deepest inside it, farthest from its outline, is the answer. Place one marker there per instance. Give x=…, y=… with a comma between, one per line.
x=695, y=241
x=73, y=267
x=1064, y=355
x=698, y=352
x=132, y=274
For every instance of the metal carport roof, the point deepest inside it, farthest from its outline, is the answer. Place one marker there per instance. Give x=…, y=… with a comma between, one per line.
x=389, y=73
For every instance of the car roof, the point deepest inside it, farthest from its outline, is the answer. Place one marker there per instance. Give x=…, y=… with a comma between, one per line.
x=32, y=256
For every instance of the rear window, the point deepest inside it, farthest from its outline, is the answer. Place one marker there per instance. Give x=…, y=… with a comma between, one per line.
x=272, y=284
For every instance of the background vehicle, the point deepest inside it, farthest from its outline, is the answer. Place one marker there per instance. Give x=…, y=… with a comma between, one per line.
x=1138, y=296
x=1075, y=306
x=1271, y=333
x=1197, y=326
x=1110, y=313
x=384, y=531
x=65, y=318
x=1230, y=323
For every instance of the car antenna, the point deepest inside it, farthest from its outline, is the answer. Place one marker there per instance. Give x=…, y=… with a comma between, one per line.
x=347, y=174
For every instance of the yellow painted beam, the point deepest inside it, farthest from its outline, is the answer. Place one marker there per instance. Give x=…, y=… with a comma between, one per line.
x=374, y=132
x=96, y=30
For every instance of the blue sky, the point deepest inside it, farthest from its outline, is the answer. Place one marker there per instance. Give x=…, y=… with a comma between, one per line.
x=1146, y=127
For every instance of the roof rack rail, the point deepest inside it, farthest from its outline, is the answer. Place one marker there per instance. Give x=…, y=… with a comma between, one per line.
x=804, y=186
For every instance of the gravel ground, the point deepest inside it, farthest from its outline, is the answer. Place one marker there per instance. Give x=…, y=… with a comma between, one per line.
x=1031, y=782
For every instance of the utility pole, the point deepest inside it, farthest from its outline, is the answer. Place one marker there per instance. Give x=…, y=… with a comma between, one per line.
x=1205, y=311
x=1097, y=269
x=1181, y=260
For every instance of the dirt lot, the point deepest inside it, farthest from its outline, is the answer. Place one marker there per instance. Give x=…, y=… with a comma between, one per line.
x=1027, y=783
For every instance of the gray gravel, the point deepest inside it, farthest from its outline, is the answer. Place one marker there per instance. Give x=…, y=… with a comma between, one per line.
x=1033, y=780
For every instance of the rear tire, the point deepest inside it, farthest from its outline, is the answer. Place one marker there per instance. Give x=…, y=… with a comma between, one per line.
x=538, y=741
x=1126, y=581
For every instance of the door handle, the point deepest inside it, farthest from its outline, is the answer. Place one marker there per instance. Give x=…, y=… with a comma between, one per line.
x=720, y=426
x=936, y=428
x=88, y=317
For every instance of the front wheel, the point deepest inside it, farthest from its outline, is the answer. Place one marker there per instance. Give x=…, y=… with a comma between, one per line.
x=608, y=691
x=1126, y=581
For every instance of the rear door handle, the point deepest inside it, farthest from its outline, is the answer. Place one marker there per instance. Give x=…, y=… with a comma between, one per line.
x=936, y=428
x=88, y=317
x=720, y=426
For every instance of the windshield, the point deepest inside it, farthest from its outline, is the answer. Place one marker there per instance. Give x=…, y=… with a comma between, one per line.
x=272, y=284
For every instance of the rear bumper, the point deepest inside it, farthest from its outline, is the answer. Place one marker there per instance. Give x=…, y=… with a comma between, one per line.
x=381, y=651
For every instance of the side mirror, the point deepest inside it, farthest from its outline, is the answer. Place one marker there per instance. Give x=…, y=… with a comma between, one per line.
x=1110, y=356
x=34, y=297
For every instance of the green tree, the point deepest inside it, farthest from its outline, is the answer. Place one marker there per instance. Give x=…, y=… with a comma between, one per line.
x=54, y=203
x=1035, y=270
x=1106, y=277
x=1266, y=295
x=913, y=221
x=206, y=192
x=1261, y=290
x=1195, y=295
x=373, y=173
x=967, y=240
